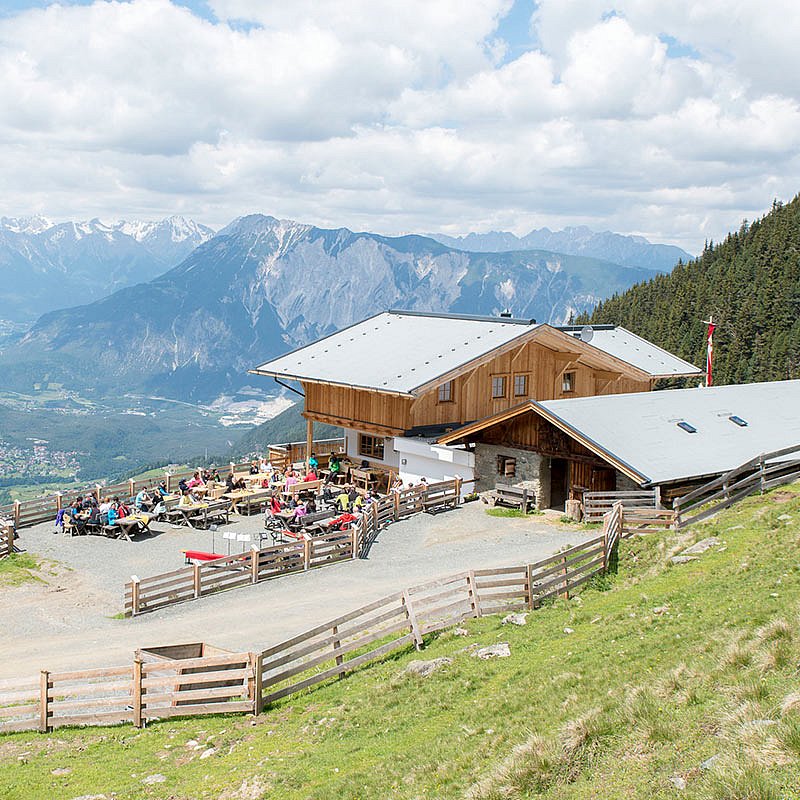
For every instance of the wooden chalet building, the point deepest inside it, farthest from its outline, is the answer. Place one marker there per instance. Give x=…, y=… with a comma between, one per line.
x=398, y=381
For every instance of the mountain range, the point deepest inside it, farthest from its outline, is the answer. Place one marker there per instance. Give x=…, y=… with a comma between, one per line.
x=45, y=265
x=627, y=251
x=262, y=286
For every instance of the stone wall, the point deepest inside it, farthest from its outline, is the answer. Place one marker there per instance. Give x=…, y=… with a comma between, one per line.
x=625, y=484
x=532, y=471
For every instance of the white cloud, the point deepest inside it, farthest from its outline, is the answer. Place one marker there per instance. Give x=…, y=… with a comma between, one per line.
x=671, y=120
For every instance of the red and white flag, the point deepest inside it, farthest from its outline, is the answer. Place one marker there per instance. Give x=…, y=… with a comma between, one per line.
x=710, y=352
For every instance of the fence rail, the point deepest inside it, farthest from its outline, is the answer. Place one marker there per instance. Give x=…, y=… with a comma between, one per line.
x=598, y=504
x=756, y=475
x=245, y=682
x=242, y=569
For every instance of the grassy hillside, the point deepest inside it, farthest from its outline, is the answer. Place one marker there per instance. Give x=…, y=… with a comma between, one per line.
x=620, y=693
x=749, y=282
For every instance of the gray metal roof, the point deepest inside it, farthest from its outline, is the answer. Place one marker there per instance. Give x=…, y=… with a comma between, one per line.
x=399, y=351
x=629, y=347
x=641, y=430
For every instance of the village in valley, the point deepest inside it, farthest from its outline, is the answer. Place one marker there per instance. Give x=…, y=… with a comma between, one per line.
x=475, y=478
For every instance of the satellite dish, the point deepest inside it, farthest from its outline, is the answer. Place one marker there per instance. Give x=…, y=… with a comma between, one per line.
x=587, y=333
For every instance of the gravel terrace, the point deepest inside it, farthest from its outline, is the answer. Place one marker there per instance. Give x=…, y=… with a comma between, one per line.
x=67, y=620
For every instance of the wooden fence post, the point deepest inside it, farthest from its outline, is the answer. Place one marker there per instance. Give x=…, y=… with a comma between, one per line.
x=565, y=572
x=132, y=487
x=474, y=599
x=396, y=509
x=337, y=645
x=137, y=690
x=657, y=497
x=197, y=581
x=256, y=686
x=529, y=576
x=412, y=620
x=306, y=551
x=168, y=478
x=374, y=508
x=16, y=513
x=254, y=559
x=458, y=490
x=763, y=476
x=354, y=539
x=134, y=595
x=44, y=701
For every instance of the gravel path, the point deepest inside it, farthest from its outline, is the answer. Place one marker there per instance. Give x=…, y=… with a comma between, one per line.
x=67, y=621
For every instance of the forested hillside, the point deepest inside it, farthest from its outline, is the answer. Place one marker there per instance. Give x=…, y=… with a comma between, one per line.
x=751, y=285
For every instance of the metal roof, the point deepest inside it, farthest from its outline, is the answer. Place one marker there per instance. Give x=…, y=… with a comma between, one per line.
x=400, y=351
x=397, y=351
x=629, y=347
x=641, y=430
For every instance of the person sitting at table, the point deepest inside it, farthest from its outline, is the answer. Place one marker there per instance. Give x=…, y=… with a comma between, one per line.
x=313, y=464
x=275, y=506
x=195, y=481
x=358, y=503
x=105, y=505
x=234, y=485
x=122, y=509
x=311, y=475
x=186, y=500
x=254, y=468
x=311, y=506
x=111, y=514
x=162, y=489
x=291, y=479
x=299, y=512
x=334, y=467
x=143, y=501
x=275, y=477
x=343, y=500
x=76, y=514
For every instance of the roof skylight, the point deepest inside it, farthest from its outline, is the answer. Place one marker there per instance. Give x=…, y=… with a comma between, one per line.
x=685, y=426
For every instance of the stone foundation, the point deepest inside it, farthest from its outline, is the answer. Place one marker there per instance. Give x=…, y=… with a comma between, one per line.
x=625, y=484
x=532, y=471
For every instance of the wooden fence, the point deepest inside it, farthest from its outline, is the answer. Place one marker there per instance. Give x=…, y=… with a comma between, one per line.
x=756, y=475
x=242, y=569
x=597, y=504
x=44, y=509
x=6, y=538
x=245, y=682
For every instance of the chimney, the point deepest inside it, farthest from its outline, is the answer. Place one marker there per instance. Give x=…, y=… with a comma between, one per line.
x=506, y=313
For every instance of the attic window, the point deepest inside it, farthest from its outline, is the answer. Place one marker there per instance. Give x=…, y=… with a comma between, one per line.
x=742, y=423
x=446, y=392
x=685, y=426
x=568, y=382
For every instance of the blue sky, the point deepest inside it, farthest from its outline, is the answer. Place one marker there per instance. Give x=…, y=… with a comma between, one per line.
x=658, y=119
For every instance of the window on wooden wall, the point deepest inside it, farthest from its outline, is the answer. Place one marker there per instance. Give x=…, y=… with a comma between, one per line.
x=446, y=392
x=506, y=466
x=520, y=386
x=498, y=386
x=370, y=446
x=568, y=382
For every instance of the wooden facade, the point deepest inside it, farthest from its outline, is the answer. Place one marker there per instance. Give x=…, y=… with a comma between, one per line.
x=532, y=370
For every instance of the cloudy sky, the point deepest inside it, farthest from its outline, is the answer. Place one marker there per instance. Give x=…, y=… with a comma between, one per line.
x=672, y=120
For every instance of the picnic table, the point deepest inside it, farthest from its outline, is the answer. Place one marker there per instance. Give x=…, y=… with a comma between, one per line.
x=199, y=515
x=127, y=527
x=249, y=499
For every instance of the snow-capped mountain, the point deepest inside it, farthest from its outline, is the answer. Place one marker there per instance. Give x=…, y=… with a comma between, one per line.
x=628, y=251
x=263, y=285
x=46, y=265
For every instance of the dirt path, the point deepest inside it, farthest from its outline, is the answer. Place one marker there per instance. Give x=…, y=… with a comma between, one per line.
x=67, y=621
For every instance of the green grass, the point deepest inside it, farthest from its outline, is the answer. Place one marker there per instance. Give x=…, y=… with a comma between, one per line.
x=665, y=666
x=18, y=568
x=512, y=512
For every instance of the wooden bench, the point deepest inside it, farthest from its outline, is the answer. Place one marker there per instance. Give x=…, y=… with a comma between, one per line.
x=514, y=496
x=303, y=486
